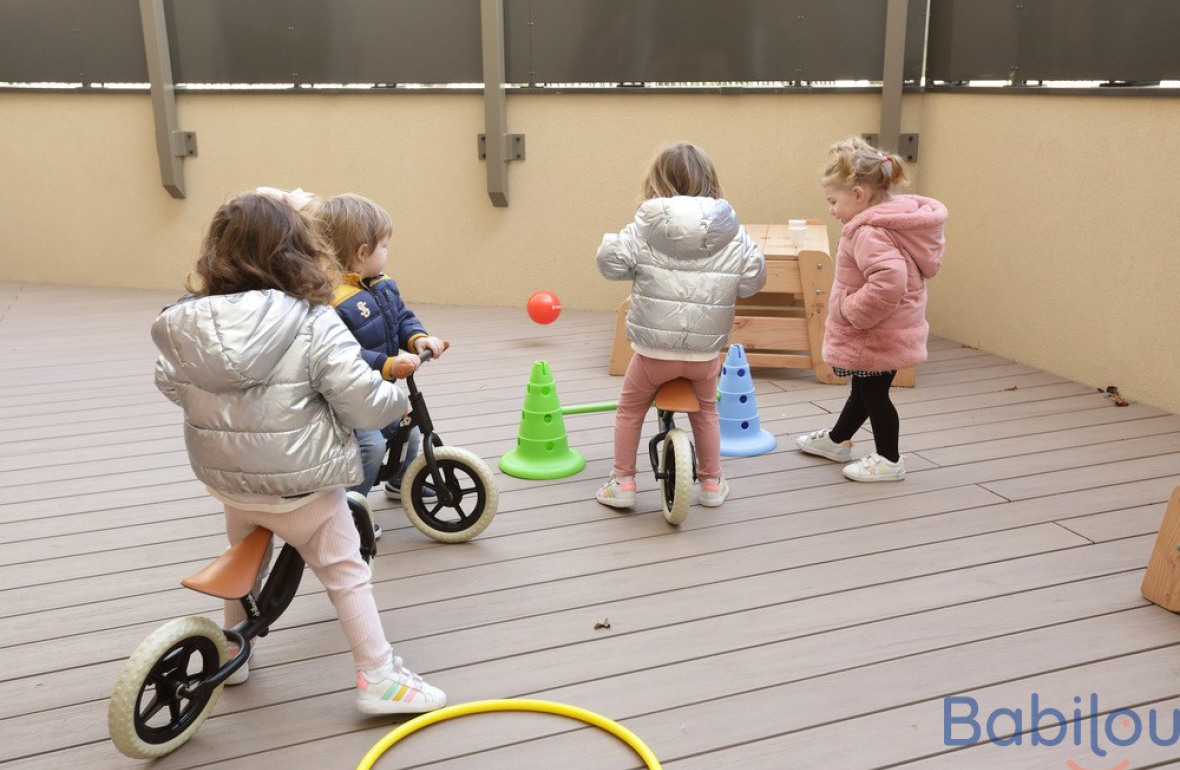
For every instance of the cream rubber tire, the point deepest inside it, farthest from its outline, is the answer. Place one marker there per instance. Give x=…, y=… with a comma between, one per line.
x=676, y=485
x=468, y=478
x=182, y=651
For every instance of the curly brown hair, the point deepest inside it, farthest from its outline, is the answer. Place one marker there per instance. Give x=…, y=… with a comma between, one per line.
x=256, y=242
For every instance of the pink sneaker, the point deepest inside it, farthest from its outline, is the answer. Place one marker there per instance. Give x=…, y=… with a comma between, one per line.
x=618, y=492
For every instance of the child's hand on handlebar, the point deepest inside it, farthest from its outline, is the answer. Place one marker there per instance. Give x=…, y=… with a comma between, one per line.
x=403, y=367
x=435, y=345
x=405, y=361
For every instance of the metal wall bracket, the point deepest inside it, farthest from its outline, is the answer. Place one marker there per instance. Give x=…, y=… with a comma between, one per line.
x=172, y=145
x=513, y=147
x=184, y=144
x=907, y=145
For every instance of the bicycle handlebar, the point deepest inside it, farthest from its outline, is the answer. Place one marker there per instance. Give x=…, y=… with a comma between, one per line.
x=402, y=370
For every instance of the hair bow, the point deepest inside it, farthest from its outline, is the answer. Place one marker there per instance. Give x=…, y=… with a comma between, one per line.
x=296, y=199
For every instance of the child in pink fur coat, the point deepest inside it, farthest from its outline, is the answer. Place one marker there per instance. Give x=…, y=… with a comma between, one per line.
x=876, y=322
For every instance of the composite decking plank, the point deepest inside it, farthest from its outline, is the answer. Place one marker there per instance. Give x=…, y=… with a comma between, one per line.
x=1112, y=525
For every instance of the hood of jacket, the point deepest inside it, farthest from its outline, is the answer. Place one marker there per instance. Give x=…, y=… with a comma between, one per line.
x=229, y=342
x=688, y=260
x=915, y=223
x=685, y=227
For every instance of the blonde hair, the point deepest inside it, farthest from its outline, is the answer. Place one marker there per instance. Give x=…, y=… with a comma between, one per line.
x=256, y=242
x=856, y=162
x=349, y=222
x=681, y=168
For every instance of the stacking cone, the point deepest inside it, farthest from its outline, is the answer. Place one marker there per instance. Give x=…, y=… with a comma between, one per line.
x=542, y=450
x=741, y=434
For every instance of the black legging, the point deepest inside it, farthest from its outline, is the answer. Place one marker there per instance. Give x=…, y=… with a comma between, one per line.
x=870, y=401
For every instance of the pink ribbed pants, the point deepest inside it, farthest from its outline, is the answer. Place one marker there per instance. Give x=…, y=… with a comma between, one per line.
x=325, y=536
x=643, y=378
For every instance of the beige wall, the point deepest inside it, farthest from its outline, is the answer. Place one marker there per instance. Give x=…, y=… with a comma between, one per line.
x=89, y=186
x=1061, y=236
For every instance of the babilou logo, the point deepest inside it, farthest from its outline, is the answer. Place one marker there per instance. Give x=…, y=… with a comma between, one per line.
x=1084, y=724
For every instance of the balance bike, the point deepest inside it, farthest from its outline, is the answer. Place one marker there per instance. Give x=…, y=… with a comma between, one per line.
x=172, y=681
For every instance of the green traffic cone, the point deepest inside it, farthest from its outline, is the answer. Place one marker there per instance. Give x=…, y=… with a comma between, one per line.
x=542, y=449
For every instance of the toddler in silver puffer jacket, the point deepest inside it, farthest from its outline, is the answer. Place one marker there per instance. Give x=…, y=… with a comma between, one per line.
x=272, y=385
x=688, y=260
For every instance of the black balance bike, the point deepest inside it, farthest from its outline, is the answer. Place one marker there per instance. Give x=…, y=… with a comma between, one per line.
x=174, y=678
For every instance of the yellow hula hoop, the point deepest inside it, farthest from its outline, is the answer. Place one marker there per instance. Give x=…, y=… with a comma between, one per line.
x=510, y=704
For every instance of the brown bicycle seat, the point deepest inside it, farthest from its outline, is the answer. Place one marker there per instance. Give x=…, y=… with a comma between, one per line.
x=677, y=396
x=232, y=574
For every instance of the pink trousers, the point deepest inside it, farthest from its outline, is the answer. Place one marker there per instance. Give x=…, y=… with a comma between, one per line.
x=325, y=536
x=643, y=378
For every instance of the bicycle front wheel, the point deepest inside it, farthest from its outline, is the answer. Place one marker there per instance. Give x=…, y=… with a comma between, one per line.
x=474, y=496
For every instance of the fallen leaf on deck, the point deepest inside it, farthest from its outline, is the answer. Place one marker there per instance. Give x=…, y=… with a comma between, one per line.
x=1112, y=392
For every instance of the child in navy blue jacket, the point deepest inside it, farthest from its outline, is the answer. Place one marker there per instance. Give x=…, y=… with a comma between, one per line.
x=358, y=231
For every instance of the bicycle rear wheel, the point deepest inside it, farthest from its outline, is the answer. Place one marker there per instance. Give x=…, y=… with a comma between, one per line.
x=151, y=712
x=675, y=475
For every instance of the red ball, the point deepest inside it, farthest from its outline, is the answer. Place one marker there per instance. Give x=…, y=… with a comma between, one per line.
x=544, y=307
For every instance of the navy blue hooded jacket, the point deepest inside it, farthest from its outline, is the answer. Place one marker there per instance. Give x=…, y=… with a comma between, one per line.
x=373, y=310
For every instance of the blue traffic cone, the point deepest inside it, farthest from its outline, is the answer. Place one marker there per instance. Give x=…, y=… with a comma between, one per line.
x=741, y=434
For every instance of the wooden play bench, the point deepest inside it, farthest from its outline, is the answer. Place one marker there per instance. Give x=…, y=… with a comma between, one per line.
x=781, y=327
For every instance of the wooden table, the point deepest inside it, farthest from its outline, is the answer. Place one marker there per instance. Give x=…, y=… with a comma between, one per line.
x=782, y=326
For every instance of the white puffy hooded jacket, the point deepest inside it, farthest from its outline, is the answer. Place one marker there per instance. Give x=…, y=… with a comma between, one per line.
x=271, y=389
x=688, y=260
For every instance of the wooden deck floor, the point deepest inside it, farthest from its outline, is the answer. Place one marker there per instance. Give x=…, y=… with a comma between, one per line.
x=810, y=622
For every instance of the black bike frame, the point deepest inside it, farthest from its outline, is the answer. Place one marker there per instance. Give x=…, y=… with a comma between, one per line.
x=276, y=595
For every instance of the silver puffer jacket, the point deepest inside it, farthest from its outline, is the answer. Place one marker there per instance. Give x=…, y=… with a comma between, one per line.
x=689, y=261
x=271, y=390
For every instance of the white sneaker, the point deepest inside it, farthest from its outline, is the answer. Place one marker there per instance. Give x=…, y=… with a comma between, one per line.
x=876, y=468
x=817, y=443
x=713, y=492
x=243, y=673
x=396, y=689
x=618, y=492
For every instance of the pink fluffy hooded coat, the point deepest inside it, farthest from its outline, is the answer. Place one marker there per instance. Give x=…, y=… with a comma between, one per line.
x=877, y=311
